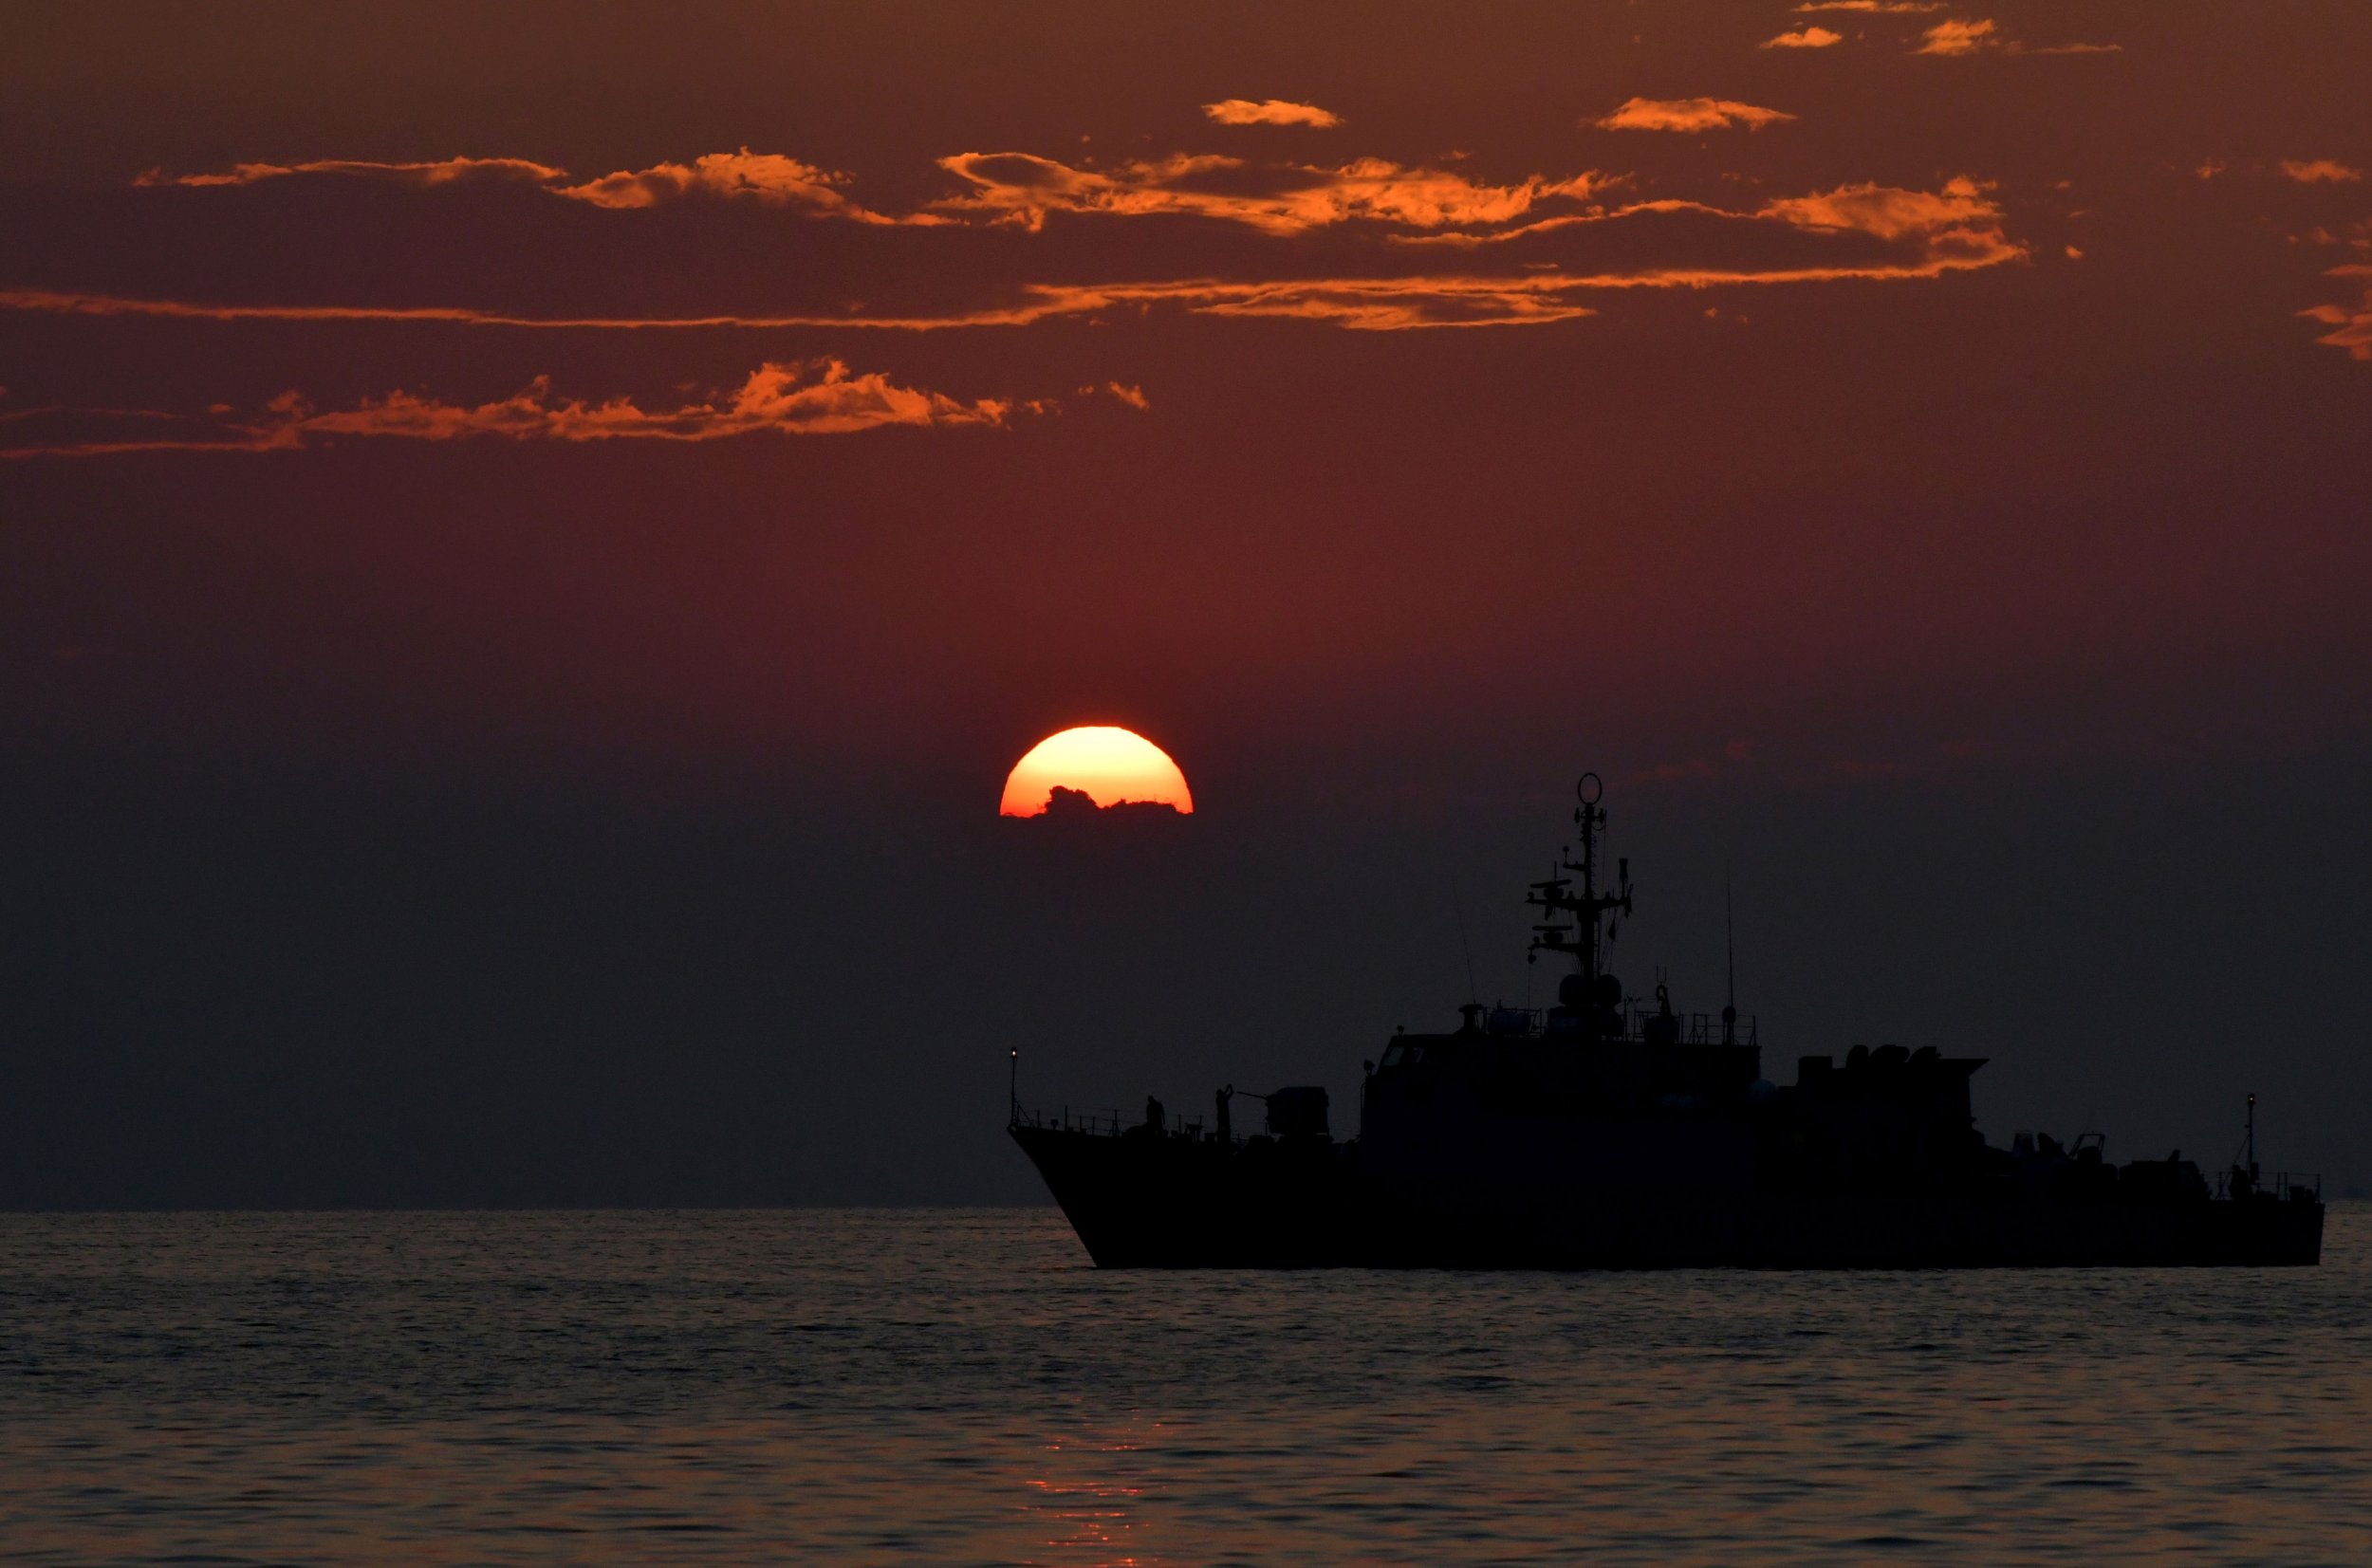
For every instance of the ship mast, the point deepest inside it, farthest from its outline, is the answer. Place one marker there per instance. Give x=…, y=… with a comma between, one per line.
x=1581, y=939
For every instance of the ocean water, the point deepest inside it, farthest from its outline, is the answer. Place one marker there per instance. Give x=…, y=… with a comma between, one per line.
x=959, y=1386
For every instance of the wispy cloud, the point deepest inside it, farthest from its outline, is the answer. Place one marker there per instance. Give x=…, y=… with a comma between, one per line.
x=1803, y=38
x=802, y=397
x=799, y=397
x=1875, y=8
x=1018, y=188
x=2320, y=171
x=766, y=177
x=1024, y=189
x=77, y=303
x=1372, y=305
x=1980, y=37
x=439, y=171
x=1960, y=38
x=1890, y=211
x=1358, y=302
x=1687, y=114
x=1269, y=111
x=63, y=429
x=1448, y=301
x=1884, y=212
x=2352, y=324
x=1954, y=229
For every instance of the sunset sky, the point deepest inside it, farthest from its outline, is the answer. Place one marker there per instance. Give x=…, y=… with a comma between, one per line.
x=530, y=539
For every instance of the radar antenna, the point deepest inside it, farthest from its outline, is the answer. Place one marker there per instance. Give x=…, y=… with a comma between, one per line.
x=1572, y=919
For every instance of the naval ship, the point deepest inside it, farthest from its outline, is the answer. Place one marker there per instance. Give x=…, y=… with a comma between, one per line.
x=1610, y=1132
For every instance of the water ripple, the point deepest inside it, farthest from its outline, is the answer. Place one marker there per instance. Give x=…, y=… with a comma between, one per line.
x=958, y=1386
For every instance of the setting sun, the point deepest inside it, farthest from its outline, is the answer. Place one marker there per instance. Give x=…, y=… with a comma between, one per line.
x=1104, y=761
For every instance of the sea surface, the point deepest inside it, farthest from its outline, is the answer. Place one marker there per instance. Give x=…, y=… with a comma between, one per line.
x=958, y=1386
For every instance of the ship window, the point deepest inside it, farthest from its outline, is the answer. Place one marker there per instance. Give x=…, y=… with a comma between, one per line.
x=1401, y=1056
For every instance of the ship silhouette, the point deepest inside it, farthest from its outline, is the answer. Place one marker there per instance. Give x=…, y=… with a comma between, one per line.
x=1612, y=1131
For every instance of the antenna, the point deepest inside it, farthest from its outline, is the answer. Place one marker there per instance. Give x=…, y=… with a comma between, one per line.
x=1584, y=940
x=1729, y=960
x=1473, y=992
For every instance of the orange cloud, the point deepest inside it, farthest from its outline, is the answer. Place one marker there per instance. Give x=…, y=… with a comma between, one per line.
x=1454, y=300
x=1954, y=38
x=1468, y=240
x=1365, y=304
x=34, y=432
x=73, y=302
x=1958, y=229
x=1880, y=8
x=810, y=397
x=1959, y=37
x=1279, y=199
x=1953, y=232
x=1375, y=302
x=1269, y=111
x=1687, y=114
x=1803, y=38
x=2354, y=322
x=767, y=178
x=2321, y=170
x=1374, y=305
x=441, y=171
x=1889, y=211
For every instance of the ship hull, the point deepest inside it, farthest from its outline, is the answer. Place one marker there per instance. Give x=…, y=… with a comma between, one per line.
x=1156, y=1201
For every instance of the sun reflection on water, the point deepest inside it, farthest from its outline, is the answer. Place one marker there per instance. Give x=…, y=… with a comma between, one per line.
x=958, y=1387
x=1095, y=1516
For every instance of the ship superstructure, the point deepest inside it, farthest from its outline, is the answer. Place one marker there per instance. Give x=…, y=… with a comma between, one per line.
x=1604, y=1132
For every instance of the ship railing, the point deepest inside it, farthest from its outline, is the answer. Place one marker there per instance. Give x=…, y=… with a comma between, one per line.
x=2283, y=1184
x=1695, y=1028
x=1104, y=1123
